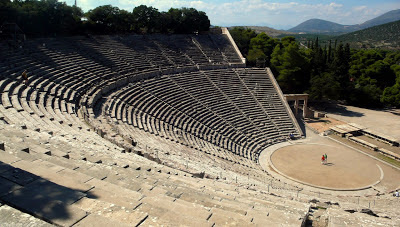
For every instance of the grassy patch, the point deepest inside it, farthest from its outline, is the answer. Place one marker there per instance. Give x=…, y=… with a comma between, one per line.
x=388, y=160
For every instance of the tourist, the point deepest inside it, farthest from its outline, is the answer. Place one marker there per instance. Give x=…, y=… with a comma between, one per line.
x=323, y=160
x=396, y=193
x=326, y=158
x=25, y=78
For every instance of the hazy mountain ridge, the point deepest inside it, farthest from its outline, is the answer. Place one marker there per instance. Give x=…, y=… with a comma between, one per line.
x=382, y=19
x=321, y=26
x=269, y=31
x=328, y=27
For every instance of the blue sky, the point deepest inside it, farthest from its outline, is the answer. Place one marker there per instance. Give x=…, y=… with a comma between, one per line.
x=272, y=13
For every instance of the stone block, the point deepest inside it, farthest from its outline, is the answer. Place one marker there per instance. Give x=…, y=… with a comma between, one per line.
x=112, y=211
x=19, y=176
x=4, y=167
x=222, y=217
x=7, y=158
x=37, y=195
x=94, y=220
x=7, y=186
x=41, y=150
x=61, y=154
x=10, y=216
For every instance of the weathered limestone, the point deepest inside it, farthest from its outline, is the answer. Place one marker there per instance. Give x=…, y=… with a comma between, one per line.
x=10, y=216
x=49, y=201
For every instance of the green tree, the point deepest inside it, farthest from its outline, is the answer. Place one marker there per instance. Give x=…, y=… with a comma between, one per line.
x=103, y=19
x=324, y=87
x=262, y=42
x=146, y=19
x=340, y=70
x=256, y=55
x=391, y=95
x=242, y=38
x=186, y=20
x=291, y=64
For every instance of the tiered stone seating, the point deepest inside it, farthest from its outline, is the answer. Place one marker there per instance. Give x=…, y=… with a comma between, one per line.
x=208, y=48
x=141, y=192
x=138, y=193
x=258, y=82
x=153, y=120
x=65, y=135
x=228, y=115
x=223, y=43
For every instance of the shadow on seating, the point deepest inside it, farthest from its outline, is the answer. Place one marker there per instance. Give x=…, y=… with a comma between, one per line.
x=39, y=197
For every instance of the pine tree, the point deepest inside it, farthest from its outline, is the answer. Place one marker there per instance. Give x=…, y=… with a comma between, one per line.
x=340, y=70
x=329, y=54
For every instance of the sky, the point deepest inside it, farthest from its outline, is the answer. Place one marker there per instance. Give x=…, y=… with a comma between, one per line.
x=272, y=13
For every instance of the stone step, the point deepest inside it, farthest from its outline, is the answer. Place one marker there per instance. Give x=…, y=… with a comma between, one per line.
x=7, y=158
x=48, y=201
x=130, y=183
x=59, y=175
x=94, y=170
x=114, y=194
x=227, y=218
x=111, y=211
x=165, y=212
x=94, y=220
x=7, y=186
x=10, y=216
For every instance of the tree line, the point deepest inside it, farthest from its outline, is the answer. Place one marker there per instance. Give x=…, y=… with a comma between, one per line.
x=334, y=71
x=46, y=18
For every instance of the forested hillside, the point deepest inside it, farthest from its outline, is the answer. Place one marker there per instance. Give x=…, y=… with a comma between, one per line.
x=365, y=78
x=386, y=36
x=267, y=30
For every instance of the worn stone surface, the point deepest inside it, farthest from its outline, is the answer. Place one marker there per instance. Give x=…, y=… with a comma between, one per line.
x=11, y=217
x=49, y=201
x=19, y=176
x=113, y=212
x=7, y=186
x=94, y=220
x=5, y=157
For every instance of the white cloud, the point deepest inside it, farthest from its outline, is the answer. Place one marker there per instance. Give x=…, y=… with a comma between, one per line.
x=359, y=8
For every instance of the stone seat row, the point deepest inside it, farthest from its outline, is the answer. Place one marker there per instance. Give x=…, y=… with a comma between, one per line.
x=173, y=100
x=177, y=114
x=44, y=112
x=147, y=200
x=243, y=99
x=155, y=125
x=263, y=90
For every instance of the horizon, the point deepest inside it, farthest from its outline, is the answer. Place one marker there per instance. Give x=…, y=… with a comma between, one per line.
x=280, y=15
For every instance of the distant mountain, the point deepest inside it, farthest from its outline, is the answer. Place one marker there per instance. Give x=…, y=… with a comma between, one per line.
x=269, y=31
x=390, y=16
x=326, y=27
x=385, y=36
x=320, y=26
